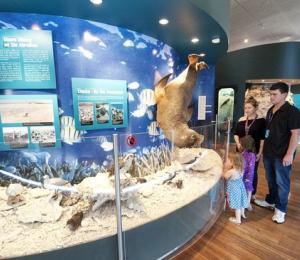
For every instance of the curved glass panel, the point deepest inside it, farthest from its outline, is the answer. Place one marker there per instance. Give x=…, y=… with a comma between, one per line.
x=51, y=200
x=168, y=194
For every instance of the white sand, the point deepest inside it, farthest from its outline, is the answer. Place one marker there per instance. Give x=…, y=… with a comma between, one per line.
x=17, y=239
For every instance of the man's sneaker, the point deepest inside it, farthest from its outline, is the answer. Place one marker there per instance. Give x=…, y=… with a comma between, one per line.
x=263, y=203
x=274, y=217
x=279, y=216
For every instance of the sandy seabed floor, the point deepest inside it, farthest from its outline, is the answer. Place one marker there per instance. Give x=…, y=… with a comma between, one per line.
x=18, y=239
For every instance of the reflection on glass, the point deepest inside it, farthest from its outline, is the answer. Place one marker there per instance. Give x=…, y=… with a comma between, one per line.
x=225, y=104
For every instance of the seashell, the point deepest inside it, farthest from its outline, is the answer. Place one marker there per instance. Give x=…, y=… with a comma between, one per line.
x=14, y=189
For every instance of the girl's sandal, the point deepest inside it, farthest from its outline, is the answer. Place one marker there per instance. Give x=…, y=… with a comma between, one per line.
x=233, y=220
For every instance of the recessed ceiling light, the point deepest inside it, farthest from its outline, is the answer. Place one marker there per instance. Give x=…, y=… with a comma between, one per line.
x=195, y=40
x=202, y=54
x=262, y=80
x=246, y=40
x=96, y=2
x=35, y=27
x=216, y=40
x=163, y=21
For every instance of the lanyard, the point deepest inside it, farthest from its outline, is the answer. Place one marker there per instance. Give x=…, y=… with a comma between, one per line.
x=270, y=118
x=247, y=127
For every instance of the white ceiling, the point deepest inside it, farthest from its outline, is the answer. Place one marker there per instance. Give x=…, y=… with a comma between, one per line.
x=263, y=21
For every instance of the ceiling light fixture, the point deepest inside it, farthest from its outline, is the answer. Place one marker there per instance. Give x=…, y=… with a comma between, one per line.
x=163, y=21
x=202, y=54
x=35, y=27
x=246, y=40
x=216, y=40
x=195, y=40
x=96, y=2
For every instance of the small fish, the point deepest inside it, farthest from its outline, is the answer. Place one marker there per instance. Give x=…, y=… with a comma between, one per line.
x=152, y=129
x=141, y=45
x=51, y=23
x=140, y=112
x=10, y=169
x=31, y=157
x=105, y=163
x=133, y=150
x=60, y=111
x=53, y=181
x=128, y=43
x=68, y=132
x=104, y=144
x=225, y=102
x=150, y=114
x=130, y=97
x=147, y=97
x=133, y=85
x=145, y=151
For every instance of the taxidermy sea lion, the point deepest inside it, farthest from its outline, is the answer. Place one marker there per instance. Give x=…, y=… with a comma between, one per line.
x=173, y=104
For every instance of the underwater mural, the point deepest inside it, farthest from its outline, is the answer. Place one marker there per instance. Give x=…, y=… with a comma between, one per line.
x=65, y=196
x=100, y=51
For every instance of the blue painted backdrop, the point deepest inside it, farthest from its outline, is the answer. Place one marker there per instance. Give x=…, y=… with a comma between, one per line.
x=86, y=49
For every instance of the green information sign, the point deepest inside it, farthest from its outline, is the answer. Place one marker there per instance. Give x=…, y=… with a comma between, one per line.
x=99, y=103
x=26, y=60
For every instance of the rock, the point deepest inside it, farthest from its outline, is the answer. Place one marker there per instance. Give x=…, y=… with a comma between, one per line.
x=186, y=155
x=3, y=195
x=87, y=222
x=14, y=189
x=12, y=200
x=37, y=192
x=12, y=236
x=40, y=210
x=89, y=184
x=147, y=192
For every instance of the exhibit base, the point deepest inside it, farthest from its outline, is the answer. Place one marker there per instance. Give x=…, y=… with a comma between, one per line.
x=157, y=239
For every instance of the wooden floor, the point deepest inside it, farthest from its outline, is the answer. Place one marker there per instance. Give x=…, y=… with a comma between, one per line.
x=258, y=237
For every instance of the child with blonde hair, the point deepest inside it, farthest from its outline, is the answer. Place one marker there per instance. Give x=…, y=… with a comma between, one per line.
x=235, y=188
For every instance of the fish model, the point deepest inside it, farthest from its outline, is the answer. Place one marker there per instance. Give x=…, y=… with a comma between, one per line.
x=173, y=104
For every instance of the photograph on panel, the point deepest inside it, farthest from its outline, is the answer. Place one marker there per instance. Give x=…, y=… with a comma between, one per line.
x=86, y=113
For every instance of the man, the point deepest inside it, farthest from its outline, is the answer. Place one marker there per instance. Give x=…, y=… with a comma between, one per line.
x=281, y=139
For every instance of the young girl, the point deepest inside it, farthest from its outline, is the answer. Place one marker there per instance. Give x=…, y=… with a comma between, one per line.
x=237, y=196
x=248, y=153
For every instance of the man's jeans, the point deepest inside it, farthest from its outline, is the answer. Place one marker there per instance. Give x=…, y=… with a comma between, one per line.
x=278, y=178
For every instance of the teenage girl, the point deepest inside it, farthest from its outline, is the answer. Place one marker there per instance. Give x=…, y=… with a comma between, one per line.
x=248, y=153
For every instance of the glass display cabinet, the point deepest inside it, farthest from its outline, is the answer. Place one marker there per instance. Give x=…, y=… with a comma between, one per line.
x=128, y=196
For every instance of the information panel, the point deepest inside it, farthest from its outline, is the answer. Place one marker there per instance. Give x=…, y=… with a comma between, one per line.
x=26, y=60
x=29, y=121
x=99, y=103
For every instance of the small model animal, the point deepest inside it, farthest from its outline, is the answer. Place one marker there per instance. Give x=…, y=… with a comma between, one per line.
x=173, y=104
x=75, y=221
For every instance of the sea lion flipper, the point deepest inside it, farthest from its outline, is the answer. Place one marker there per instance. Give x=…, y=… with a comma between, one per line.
x=159, y=90
x=163, y=81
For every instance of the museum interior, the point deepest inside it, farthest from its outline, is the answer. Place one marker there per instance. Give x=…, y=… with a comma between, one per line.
x=123, y=141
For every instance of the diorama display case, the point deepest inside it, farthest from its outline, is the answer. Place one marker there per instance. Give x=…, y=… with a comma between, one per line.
x=144, y=199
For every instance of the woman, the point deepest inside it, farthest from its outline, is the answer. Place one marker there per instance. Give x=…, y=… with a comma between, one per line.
x=251, y=125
